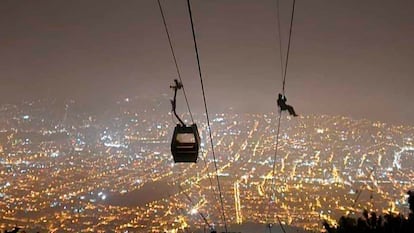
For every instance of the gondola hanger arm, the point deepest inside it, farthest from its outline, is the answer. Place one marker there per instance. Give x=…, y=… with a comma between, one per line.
x=177, y=86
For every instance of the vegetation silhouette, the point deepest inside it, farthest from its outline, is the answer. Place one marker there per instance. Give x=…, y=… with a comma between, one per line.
x=370, y=222
x=15, y=230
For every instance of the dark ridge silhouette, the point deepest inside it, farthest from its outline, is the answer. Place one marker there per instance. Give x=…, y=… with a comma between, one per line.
x=373, y=223
x=15, y=230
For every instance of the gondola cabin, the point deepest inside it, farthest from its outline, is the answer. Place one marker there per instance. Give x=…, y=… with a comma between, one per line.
x=185, y=144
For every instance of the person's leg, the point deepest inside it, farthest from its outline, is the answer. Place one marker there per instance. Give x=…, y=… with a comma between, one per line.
x=291, y=110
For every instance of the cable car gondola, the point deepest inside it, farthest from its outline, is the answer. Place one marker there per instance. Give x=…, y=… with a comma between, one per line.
x=186, y=140
x=185, y=144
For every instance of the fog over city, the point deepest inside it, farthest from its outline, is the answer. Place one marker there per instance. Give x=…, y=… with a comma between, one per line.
x=350, y=58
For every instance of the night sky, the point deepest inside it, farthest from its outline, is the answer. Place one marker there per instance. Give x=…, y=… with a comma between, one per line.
x=352, y=58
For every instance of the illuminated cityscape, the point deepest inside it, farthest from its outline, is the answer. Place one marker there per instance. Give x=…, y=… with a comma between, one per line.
x=299, y=114
x=67, y=171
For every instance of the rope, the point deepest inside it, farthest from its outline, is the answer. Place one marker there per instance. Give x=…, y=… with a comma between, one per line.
x=207, y=116
x=178, y=208
x=192, y=203
x=274, y=160
x=174, y=58
x=288, y=48
x=204, y=158
x=280, y=38
x=284, y=72
x=280, y=224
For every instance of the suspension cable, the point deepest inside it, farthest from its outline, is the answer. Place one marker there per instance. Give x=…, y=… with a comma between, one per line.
x=279, y=118
x=284, y=72
x=288, y=48
x=185, y=96
x=204, y=158
x=193, y=204
x=280, y=37
x=174, y=58
x=274, y=161
x=207, y=116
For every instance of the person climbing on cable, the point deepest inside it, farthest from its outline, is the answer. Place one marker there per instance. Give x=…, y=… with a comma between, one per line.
x=281, y=102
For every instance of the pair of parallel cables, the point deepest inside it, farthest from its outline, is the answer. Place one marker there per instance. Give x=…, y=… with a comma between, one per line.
x=283, y=69
x=284, y=74
x=205, y=107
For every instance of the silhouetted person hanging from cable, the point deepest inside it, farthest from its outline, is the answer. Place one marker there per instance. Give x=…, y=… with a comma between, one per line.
x=281, y=102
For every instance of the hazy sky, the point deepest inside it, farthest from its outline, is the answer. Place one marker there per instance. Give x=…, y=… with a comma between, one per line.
x=352, y=57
